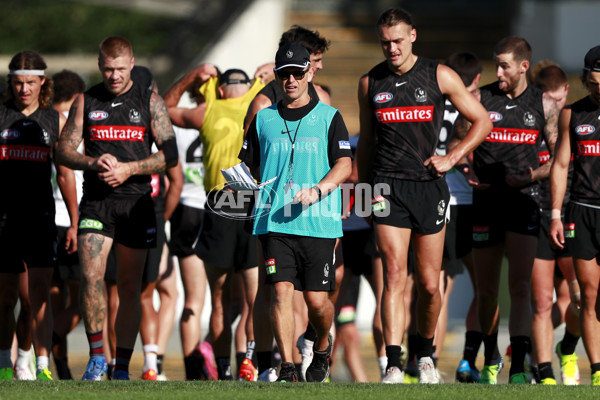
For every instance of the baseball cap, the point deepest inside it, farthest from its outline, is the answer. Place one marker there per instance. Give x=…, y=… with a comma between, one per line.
x=292, y=55
x=233, y=76
x=590, y=61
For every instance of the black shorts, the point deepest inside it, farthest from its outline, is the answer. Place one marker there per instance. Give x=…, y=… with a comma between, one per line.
x=186, y=223
x=27, y=239
x=496, y=212
x=357, y=252
x=152, y=259
x=129, y=220
x=347, y=311
x=307, y=262
x=224, y=243
x=582, y=231
x=458, y=241
x=545, y=250
x=68, y=264
x=420, y=206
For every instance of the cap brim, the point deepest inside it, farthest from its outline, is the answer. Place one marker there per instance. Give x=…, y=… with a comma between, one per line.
x=306, y=64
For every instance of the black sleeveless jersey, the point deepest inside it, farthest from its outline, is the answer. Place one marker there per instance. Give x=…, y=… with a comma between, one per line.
x=119, y=126
x=274, y=93
x=512, y=145
x=408, y=111
x=26, y=145
x=584, y=130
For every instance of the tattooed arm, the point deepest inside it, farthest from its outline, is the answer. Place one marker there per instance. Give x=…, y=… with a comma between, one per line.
x=70, y=138
x=551, y=113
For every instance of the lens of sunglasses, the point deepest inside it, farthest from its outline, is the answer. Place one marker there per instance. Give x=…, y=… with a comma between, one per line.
x=298, y=75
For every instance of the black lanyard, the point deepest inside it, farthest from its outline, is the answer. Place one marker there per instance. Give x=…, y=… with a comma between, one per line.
x=293, y=141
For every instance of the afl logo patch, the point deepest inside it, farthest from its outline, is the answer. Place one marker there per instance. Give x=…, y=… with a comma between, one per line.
x=9, y=134
x=494, y=116
x=585, y=129
x=98, y=115
x=383, y=97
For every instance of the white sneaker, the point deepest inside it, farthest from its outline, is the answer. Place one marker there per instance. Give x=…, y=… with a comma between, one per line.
x=305, y=347
x=427, y=371
x=393, y=375
x=23, y=374
x=161, y=377
x=269, y=375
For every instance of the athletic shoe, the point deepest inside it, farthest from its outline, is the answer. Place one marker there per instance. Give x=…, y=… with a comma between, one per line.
x=7, y=374
x=489, y=373
x=23, y=374
x=596, y=378
x=95, y=369
x=120, y=375
x=44, y=375
x=548, y=381
x=318, y=370
x=411, y=372
x=268, y=375
x=569, y=371
x=305, y=347
x=393, y=375
x=287, y=373
x=520, y=378
x=466, y=374
x=427, y=371
x=162, y=378
x=247, y=371
x=210, y=365
x=150, y=375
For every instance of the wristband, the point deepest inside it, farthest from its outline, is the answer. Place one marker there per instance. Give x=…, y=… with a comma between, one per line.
x=316, y=187
x=555, y=214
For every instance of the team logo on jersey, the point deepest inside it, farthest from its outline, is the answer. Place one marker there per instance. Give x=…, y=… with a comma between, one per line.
x=495, y=116
x=383, y=97
x=528, y=119
x=10, y=134
x=45, y=137
x=98, y=115
x=585, y=129
x=134, y=116
x=420, y=95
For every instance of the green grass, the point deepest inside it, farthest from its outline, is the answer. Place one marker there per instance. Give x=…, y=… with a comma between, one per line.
x=282, y=391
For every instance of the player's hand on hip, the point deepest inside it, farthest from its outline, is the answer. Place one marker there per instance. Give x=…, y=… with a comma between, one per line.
x=438, y=165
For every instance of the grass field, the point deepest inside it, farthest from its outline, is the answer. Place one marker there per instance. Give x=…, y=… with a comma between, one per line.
x=107, y=390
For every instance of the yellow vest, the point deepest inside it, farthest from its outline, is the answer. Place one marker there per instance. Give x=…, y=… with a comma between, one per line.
x=222, y=131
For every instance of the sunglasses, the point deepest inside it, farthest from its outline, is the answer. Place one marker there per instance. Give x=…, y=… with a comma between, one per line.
x=284, y=75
